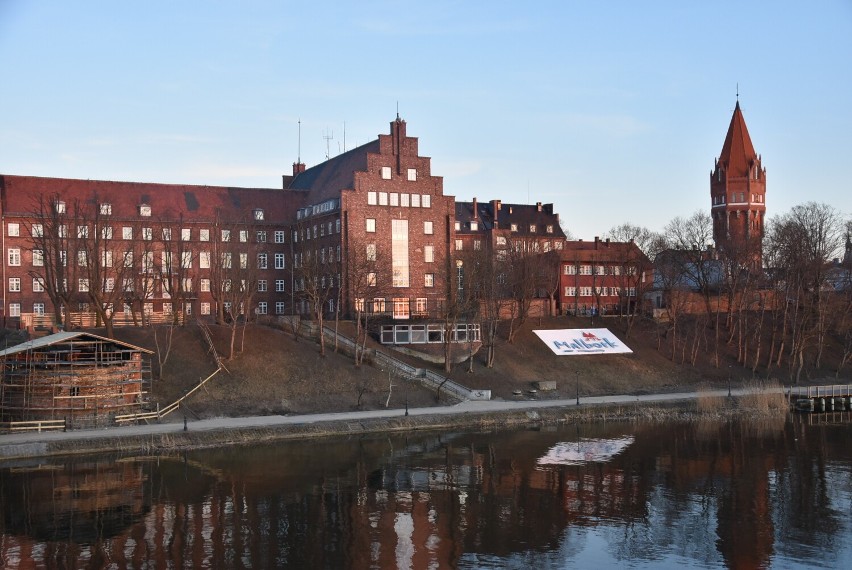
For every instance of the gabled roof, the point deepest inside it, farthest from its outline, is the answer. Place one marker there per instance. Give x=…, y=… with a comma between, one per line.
x=524, y=215
x=63, y=337
x=737, y=154
x=327, y=179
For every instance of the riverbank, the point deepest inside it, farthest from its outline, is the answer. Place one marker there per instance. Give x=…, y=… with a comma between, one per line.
x=488, y=415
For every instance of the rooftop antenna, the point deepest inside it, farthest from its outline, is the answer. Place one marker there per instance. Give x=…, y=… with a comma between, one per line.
x=299, y=152
x=328, y=137
x=738, y=91
x=397, y=110
x=344, y=136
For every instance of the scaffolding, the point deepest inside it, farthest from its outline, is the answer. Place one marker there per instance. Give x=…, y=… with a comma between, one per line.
x=81, y=377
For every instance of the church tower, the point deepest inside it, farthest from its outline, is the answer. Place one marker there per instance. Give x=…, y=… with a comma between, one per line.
x=738, y=192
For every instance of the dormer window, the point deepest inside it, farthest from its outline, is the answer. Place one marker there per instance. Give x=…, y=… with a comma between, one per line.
x=59, y=207
x=258, y=215
x=145, y=210
x=458, y=226
x=549, y=229
x=386, y=173
x=514, y=227
x=532, y=228
x=106, y=209
x=474, y=226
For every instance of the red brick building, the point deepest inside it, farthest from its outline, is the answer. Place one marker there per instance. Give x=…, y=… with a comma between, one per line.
x=738, y=193
x=601, y=277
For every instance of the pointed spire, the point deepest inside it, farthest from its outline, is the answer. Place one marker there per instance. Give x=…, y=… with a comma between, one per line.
x=737, y=153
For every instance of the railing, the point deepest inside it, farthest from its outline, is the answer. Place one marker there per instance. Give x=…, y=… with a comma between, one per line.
x=431, y=379
x=828, y=391
x=34, y=425
x=159, y=414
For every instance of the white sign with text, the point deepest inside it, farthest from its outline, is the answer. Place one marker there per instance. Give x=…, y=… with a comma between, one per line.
x=575, y=342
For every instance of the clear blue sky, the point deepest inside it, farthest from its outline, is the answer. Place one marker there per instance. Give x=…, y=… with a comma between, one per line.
x=612, y=111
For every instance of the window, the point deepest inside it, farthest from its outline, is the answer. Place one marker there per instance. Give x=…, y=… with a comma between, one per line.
x=570, y=291
x=279, y=285
x=428, y=253
x=279, y=261
x=226, y=235
x=14, y=229
x=383, y=198
x=570, y=270
x=430, y=280
x=83, y=285
x=405, y=200
x=371, y=279
x=394, y=199
x=14, y=309
x=167, y=234
x=106, y=232
x=147, y=234
x=474, y=226
x=15, y=284
x=459, y=245
x=37, y=230
x=82, y=232
x=261, y=285
x=532, y=228
x=513, y=227
x=59, y=207
x=38, y=285
x=243, y=236
x=261, y=261
x=186, y=284
x=185, y=234
x=337, y=226
x=549, y=228
x=204, y=260
x=243, y=261
x=38, y=258
x=477, y=244
x=415, y=200
x=126, y=233
x=205, y=308
x=260, y=236
x=371, y=252
x=279, y=236
x=371, y=199
x=62, y=231
x=412, y=174
x=203, y=235
x=261, y=308
x=428, y=228
x=145, y=210
x=279, y=308
x=226, y=260
x=401, y=308
x=205, y=285
x=386, y=172
x=14, y=257
x=458, y=226
x=426, y=199
x=106, y=259
x=371, y=225
x=38, y=308
x=258, y=215
x=501, y=241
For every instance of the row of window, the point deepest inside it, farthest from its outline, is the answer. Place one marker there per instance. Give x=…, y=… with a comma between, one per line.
x=598, y=291
x=15, y=285
x=105, y=209
x=473, y=226
x=148, y=308
x=146, y=233
x=738, y=198
x=403, y=200
x=410, y=174
x=147, y=259
x=597, y=269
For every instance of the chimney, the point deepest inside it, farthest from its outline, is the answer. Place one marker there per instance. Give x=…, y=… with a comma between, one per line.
x=475, y=209
x=538, y=206
x=298, y=168
x=607, y=242
x=597, y=241
x=510, y=209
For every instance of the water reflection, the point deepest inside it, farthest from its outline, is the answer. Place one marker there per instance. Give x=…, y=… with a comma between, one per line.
x=695, y=494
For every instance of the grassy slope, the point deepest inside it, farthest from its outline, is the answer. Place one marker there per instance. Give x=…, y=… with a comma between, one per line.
x=277, y=374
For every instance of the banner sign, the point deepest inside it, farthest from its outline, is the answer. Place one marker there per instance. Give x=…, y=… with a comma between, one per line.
x=582, y=341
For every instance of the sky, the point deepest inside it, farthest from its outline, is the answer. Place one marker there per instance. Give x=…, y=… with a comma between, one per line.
x=612, y=111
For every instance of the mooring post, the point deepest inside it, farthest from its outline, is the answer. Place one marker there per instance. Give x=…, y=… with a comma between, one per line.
x=185, y=428
x=577, y=375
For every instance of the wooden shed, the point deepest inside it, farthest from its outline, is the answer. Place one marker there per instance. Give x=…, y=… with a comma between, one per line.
x=78, y=376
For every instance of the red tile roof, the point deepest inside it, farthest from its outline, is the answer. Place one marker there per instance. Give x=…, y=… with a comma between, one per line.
x=737, y=154
x=167, y=201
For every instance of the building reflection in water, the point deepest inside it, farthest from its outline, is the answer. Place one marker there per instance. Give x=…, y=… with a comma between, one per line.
x=738, y=494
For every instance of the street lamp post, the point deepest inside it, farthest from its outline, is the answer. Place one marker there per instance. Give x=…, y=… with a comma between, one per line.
x=577, y=375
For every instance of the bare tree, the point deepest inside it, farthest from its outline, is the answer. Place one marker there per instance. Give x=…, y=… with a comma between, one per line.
x=367, y=276
x=50, y=251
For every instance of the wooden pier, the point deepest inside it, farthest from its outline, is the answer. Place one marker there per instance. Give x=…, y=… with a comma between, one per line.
x=832, y=398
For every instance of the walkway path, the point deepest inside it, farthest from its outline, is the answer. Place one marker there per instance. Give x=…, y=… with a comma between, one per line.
x=272, y=421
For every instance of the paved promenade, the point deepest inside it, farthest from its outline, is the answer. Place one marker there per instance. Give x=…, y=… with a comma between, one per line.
x=480, y=407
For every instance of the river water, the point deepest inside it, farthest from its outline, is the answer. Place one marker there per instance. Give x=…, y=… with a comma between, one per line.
x=748, y=494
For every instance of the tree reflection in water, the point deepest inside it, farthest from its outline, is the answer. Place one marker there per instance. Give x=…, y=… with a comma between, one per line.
x=739, y=494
